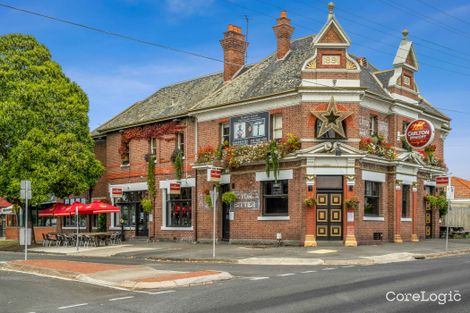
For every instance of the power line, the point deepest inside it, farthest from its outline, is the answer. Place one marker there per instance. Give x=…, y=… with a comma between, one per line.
x=126, y=37
x=122, y=36
x=357, y=44
x=425, y=18
x=379, y=31
x=444, y=12
x=448, y=50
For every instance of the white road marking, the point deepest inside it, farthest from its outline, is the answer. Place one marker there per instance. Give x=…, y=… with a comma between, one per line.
x=121, y=298
x=306, y=272
x=328, y=268
x=467, y=262
x=286, y=274
x=156, y=292
x=258, y=278
x=71, y=306
x=348, y=266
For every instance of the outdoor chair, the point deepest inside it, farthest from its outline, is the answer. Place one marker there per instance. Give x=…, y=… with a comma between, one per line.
x=45, y=241
x=51, y=239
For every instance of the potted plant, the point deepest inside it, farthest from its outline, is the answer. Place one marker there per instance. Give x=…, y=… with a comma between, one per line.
x=352, y=203
x=229, y=197
x=310, y=202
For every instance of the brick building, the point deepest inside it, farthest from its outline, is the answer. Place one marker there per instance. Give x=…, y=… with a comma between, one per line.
x=335, y=121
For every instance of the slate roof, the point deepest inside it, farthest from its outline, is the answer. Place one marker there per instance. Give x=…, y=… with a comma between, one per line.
x=384, y=76
x=168, y=102
x=267, y=77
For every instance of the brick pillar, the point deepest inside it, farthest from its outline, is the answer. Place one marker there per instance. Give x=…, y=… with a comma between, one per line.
x=398, y=208
x=414, y=236
x=350, y=240
x=311, y=216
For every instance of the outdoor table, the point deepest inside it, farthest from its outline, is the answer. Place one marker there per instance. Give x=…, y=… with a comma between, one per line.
x=97, y=235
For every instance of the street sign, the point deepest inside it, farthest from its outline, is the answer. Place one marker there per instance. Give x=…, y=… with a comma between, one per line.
x=450, y=192
x=25, y=184
x=442, y=181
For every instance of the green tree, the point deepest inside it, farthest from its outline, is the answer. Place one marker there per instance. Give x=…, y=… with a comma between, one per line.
x=44, y=134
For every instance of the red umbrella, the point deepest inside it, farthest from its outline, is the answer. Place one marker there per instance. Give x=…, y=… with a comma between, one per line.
x=53, y=210
x=98, y=207
x=82, y=209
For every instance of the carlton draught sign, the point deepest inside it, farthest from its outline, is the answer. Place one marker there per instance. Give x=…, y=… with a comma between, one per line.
x=419, y=134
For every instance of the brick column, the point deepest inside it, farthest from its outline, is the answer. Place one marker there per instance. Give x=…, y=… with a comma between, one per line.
x=350, y=240
x=414, y=236
x=398, y=208
x=310, y=215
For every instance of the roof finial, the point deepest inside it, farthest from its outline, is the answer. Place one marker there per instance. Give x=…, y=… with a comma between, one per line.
x=331, y=6
x=405, y=34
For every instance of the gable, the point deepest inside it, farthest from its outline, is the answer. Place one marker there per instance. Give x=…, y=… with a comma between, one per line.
x=332, y=35
x=410, y=60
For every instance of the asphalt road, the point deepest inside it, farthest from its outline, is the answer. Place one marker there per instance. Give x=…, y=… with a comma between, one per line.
x=256, y=289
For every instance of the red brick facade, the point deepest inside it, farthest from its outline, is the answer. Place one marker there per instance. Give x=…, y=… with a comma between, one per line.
x=317, y=158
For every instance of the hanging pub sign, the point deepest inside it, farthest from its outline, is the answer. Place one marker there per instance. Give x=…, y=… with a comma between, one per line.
x=175, y=188
x=419, y=134
x=116, y=192
x=214, y=174
x=249, y=129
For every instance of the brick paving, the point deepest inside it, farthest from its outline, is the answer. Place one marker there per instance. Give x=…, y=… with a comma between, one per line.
x=73, y=266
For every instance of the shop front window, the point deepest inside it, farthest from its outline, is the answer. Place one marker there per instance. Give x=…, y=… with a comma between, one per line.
x=129, y=204
x=178, y=209
x=405, y=200
x=71, y=221
x=372, y=198
x=275, y=197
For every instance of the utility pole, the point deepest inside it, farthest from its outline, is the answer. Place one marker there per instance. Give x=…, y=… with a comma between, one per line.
x=25, y=193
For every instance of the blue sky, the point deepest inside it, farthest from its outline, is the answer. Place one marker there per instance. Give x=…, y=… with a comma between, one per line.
x=115, y=73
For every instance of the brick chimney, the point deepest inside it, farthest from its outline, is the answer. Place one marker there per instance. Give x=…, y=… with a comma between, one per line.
x=283, y=31
x=234, y=45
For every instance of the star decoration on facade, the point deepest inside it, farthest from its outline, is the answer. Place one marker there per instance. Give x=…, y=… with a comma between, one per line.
x=332, y=119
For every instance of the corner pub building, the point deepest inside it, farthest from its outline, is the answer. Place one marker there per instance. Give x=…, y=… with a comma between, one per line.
x=338, y=123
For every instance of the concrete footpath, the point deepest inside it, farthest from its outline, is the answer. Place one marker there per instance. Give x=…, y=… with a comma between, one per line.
x=115, y=275
x=324, y=254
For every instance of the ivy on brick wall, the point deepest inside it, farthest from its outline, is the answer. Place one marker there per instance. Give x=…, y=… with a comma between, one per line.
x=146, y=132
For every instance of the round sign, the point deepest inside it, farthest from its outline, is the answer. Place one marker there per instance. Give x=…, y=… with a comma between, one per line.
x=419, y=134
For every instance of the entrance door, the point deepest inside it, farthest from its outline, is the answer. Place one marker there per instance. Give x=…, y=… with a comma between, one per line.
x=225, y=215
x=428, y=220
x=141, y=222
x=329, y=215
x=2, y=226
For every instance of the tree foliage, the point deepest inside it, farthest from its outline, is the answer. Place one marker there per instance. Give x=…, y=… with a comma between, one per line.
x=44, y=134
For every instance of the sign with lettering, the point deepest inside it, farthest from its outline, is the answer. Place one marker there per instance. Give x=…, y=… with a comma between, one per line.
x=175, y=188
x=249, y=129
x=419, y=134
x=116, y=192
x=442, y=181
x=246, y=200
x=213, y=174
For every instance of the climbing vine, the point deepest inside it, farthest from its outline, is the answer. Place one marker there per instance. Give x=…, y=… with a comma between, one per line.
x=145, y=132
